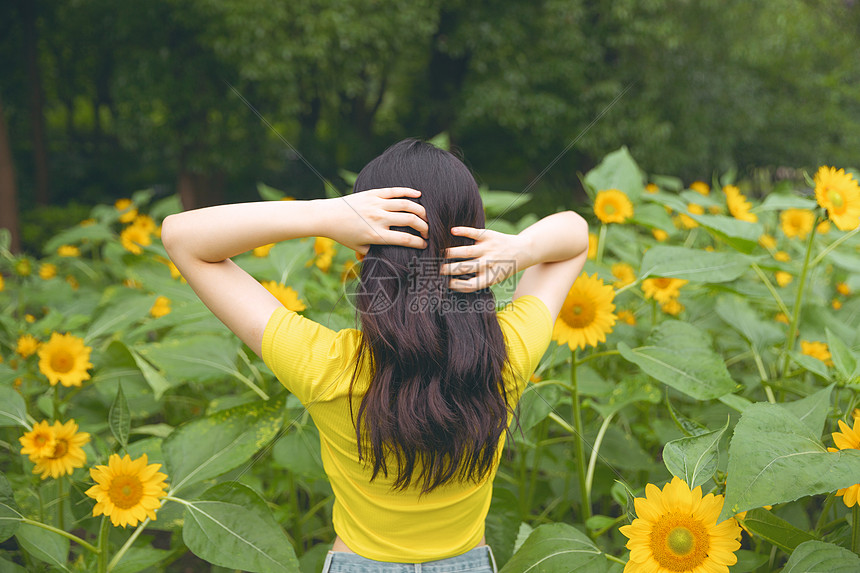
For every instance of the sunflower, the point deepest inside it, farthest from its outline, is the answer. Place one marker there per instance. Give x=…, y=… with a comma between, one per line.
x=823, y=227
x=586, y=316
x=38, y=442
x=782, y=256
x=839, y=193
x=783, y=278
x=286, y=295
x=817, y=350
x=767, y=241
x=68, y=251
x=660, y=234
x=677, y=530
x=161, y=307
x=592, y=246
x=612, y=206
x=796, y=222
x=73, y=282
x=672, y=306
x=738, y=205
x=126, y=490
x=146, y=223
x=263, y=251
x=27, y=345
x=624, y=273
x=47, y=271
x=652, y=188
x=133, y=237
x=836, y=304
x=781, y=317
x=127, y=210
x=626, y=317
x=848, y=439
x=349, y=272
x=663, y=289
x=67, y=453
x=700, y=187
x=65, y=359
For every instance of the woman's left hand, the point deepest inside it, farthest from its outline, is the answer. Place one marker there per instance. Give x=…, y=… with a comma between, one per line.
x=365, y=218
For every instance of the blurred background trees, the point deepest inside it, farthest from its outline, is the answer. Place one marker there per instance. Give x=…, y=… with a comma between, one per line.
x=100, y=98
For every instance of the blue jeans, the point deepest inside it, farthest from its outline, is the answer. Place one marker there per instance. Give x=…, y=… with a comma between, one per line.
x=478, y=560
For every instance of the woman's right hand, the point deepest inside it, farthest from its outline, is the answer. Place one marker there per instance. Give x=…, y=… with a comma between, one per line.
x=365, y=218
x=494, y=257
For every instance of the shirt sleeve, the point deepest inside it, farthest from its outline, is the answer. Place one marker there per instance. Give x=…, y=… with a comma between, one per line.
x=308, y=358
x=527, y=326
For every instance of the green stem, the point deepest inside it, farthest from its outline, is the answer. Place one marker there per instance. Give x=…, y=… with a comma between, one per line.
x=833, y=245
x=770, y=287
x=579, y=443
x=763, y=375
x=125, y=546
x=65, y=534
x=795, y=314
x=619, y=519
x=855, y=528
x=822, y=519
x=601, y=240
x=61, y=513
x=56, y=403
x=104, y=536
x=592, y=461
x=594, y=355
x=614, y=559
x=653, y=313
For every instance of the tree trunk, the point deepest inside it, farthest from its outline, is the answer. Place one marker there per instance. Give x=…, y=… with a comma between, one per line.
x=37, y=115
x=8, y=191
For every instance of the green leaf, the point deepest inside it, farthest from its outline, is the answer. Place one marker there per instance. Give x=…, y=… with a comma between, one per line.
x=153, y=377
x=781, y=201
x=120, y=310
x=776, y=530
x=692, y=264
x=536, y=403
x=8, y=566
x=748, y=561
x=13, y=410
x=679, y=355
x=619, y=171
x=441, y=140
x=741, y=316
x=814, y=556
x=269, y=193
x=557, y=548
x=740, y=235
x=812, y=410
x=694, y=459
x=232, y=527
x=207, y=447
x=74, y=235
x=139, y=558
x=10, y=514
x=203, y=357
x=653, y=216
x=348, y=176
x=502, y=524
x=119, y=417
x=299, y=451
x=770, y=443
x=844, y=359
x=44, y=545
x=498, y=203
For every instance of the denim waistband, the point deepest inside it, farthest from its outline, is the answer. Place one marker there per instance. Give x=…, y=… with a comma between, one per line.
x=478, y=560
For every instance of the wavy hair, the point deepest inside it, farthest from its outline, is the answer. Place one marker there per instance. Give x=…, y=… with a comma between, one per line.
x=437, y=405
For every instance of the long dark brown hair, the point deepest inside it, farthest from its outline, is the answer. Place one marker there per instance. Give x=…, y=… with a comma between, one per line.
x=437, y=404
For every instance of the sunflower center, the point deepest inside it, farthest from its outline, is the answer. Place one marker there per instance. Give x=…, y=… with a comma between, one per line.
x=610, y=209
x=62, y=361
x=60, y=450
x=579, y=313
x=125, y=491
x=662, y=283
x=836, y=198
x=40, y=440
x=679, y=542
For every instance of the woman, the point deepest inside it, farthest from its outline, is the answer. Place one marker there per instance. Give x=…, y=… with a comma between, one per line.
x=414, y=408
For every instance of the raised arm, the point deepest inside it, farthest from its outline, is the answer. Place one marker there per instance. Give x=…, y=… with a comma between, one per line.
x=201, y=242
x=552, y=252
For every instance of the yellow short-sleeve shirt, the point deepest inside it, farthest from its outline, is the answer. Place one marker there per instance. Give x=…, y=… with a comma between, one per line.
x=316, y=364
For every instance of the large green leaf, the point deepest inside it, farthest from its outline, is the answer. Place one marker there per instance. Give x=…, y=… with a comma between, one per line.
x=10, y=515
x=203, y=357
x=741, y=316
x=299, y=451
x=557, y=548
x=619, y=171
x=815, y=556
x=679, y=355
x=119, y=417
x=770, y=443
x=13, y=409
x=654, y=216
x=44, y=545
x=232, y=527
x=692, y=264
x=209, y=446
x=498, y=203
x=844, y=359
x=694, y=459
x=121, y=308
x=502, y=524
x=780, y=201
x=741, y=235
x=776, y=530
x=140, y=558
x=812, y=410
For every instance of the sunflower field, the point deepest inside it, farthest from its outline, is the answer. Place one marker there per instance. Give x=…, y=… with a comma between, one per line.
x=697, y=411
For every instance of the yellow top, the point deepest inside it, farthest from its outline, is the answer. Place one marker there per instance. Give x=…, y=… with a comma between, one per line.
x=316, y=364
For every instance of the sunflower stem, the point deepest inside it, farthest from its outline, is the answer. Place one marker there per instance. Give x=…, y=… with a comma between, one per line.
x=61, y=514
x=771, y=288
x=579, y=443
x=65, y=534
x=855, y=528
x=795, y=313
x=615, y=559
x=600, y=242
x=592, y=461
x=833, y=245
x=822, y=519
x=104, y=536
x=125, y=546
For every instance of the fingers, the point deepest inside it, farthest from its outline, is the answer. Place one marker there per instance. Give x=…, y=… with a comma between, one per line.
x=407, y=206
x=392, y=192
x=469, y=232
x=401, y=239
